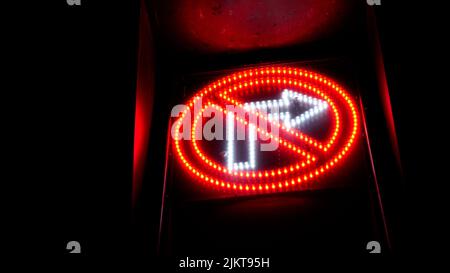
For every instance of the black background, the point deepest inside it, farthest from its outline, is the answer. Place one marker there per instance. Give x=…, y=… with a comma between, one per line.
x=72, y=114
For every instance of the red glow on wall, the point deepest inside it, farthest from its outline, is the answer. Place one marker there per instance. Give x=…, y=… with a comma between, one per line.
x=213, y=25
x=314, y=158
x=144, y=101
x=384, y=87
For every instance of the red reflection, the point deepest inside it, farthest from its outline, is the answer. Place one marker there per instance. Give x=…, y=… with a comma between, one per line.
x=247, y=24
x=384, y=89
x=144, y=101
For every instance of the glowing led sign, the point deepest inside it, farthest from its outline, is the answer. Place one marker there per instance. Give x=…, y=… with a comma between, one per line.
x=279, y=104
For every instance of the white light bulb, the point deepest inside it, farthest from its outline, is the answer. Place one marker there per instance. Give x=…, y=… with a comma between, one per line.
x=230, y=140
x=252, y=143
x=287, y=124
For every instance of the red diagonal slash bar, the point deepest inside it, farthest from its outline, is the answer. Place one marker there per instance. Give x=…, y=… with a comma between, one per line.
x=310, y=141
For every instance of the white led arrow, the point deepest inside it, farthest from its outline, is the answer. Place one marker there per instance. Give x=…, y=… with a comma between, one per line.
x=272, y=106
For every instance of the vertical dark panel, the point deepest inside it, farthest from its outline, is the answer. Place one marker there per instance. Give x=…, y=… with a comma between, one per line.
x=82, y=117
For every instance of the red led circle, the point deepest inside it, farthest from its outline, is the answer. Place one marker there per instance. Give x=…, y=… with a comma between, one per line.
x=315, y=157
